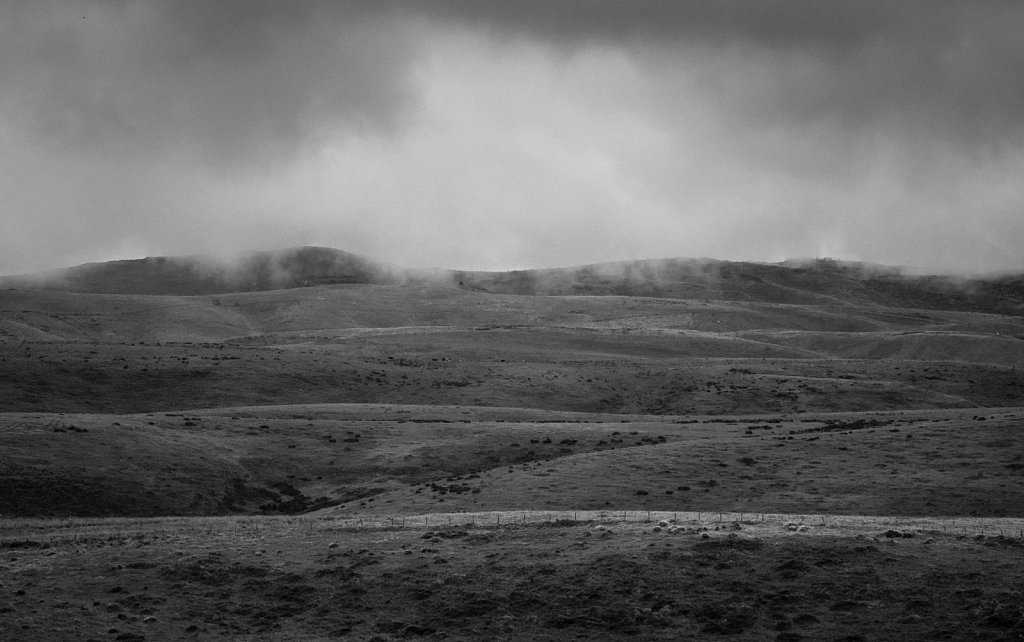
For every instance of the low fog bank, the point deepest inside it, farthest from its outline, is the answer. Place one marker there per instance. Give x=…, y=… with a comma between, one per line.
x=794, y=282
x=197, y=275
x=798, y=282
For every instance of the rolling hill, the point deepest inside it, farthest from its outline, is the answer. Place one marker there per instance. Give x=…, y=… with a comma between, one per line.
x=193, y=275
x=218, y=388
x=817, y=282
x=309, y=444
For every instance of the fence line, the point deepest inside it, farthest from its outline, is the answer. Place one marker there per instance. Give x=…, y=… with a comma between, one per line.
x=262, y=526
x=499, y=519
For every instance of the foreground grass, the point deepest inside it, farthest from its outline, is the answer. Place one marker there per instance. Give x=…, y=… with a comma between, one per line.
x=537, y=576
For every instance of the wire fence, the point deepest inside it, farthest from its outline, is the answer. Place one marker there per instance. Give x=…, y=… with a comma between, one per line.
x=256, y=526
x=790, y=522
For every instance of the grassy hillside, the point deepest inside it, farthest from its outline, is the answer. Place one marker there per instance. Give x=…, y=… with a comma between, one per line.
x=258, y=400
x=353, y=460
x=535, y=368
x=310, y=445
x=74, y=352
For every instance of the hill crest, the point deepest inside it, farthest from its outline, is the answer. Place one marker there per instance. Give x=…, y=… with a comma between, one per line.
x=198, y=275
x=794, y=282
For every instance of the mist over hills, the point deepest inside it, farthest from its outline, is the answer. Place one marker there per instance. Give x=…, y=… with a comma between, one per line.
x=810, y=282
x=197, y=275
x=822, y=281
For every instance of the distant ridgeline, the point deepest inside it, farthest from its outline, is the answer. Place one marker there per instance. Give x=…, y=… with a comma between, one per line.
x=820, y=282
x=817, y=282
x=194, y=275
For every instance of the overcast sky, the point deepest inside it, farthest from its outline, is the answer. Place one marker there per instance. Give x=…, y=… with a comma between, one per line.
x=498, y=134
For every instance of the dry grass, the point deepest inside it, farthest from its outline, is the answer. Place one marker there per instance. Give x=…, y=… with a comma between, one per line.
x=458, y=451
x=542, y=576
x=408, y=460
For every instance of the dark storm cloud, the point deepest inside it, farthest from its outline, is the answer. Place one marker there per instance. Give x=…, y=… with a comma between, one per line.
x=827, y=25
x=513, y=133
x=237, y=82
x=946, y=69
x=234, y=83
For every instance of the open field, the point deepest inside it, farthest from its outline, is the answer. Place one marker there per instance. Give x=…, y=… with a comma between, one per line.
x=489, y=456
x=535, y=576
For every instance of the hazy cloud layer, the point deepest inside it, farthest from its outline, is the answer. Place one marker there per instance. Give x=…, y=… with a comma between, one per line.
x=477, y=133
